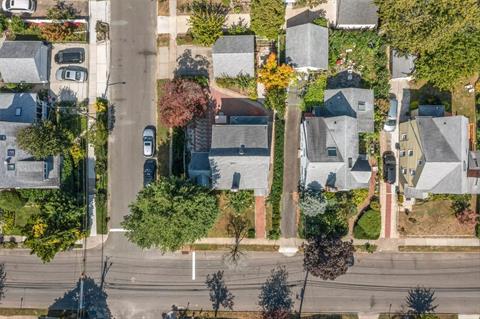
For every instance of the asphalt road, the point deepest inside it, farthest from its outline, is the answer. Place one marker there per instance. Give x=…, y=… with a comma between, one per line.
x=145, y=284
x=133, y=60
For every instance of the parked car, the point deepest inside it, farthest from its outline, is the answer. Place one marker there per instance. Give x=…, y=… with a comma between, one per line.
x=148, y=141
x=149, y=172
x=389, y=164
x=19, y=6
x=391, y=122
x=70, y=55
x=71, y=73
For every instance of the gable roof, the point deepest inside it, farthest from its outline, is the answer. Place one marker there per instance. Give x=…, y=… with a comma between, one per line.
x=346, y=101
x=24, y=61
x=402, y=66
x=240, y=154
x=26, y=102
x=307, y=46
x=357, y=12
x=233, y=55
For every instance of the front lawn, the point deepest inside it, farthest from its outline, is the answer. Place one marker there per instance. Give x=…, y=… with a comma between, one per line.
x=368, y=226
x=432, y=218
x=220, y=227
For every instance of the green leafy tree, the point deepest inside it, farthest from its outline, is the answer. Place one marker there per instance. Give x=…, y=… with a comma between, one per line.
x=312, y=202
x=240, y=201
x=44, y=139
x=267, y=17
x=170, y=213
x=219, y=293
x=315, y=92
x=3, y=279
x=56, y=228
x=275, y=295
x=206, y=21
x=444, y=34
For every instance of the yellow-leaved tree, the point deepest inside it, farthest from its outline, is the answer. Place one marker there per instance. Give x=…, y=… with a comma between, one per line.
x=275, y=76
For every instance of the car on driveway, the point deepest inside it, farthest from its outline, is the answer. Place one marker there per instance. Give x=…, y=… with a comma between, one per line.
x=389, y=164
x=149, y=172
x=391, y=122
x=19, y=6
x=148, y=141
x=70, y=55
x=71, y=73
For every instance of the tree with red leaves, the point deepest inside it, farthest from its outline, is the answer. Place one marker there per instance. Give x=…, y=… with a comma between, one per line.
x=182, y=101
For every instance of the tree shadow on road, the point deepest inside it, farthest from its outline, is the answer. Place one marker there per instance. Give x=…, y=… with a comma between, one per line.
x=95, y=302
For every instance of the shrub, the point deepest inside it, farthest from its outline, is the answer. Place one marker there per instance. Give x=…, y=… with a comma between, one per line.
x=467, y=217
x=315, y=92
x=368, y=226
x=251, y=233
x=244, y=84
x=477, y=229
x=7, y=222
x=206, y=21
x=240, y=201
x=17, y=25
x=275, y=100
x=240, y=28
x=273, y=75
x=321, y=21
x=267, y=17
x=11, y=200
x=277, y=183
x=61, y=11
x=359, y=195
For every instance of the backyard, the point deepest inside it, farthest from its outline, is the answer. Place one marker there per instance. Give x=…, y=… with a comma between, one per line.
x=432, y=218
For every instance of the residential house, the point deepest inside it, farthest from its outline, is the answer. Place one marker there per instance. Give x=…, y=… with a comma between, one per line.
x=234, y=55
x=238, y=158
x=329, y=142
x=24, y=62
x=434, y=156
x=356, y=14
x=19, y=169
x=401, y=66
x=307, y=47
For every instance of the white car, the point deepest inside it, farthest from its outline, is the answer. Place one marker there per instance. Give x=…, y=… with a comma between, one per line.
x=18, y=6
x=391, y=122
x=148, y=141
x=71, y=73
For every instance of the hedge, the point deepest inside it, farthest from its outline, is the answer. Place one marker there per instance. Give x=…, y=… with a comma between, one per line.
x=277, y=184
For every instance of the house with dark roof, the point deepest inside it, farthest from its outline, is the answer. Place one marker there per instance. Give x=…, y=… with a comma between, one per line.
x=233, y=55
x=329, y=154
x=352, y=102
x=434, y=157
x=356, y=14
x=401, y=66
x=19, y=169
x=238, y=158
x=307, y=47
x=24, y=61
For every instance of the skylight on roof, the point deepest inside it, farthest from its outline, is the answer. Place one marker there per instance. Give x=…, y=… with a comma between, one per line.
x=332, y=151
x=18, y=111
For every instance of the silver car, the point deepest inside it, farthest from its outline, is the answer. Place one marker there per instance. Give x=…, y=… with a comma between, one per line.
x=18, y=6
x=148, y=141
x=71, y=73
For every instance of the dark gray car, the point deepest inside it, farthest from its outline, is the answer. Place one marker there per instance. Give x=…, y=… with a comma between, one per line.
x=149, y=172
x=389, y=163
x=70, y=56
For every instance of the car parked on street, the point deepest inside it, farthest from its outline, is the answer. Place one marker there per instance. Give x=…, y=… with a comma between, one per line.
x=389, y=164
x=149, y=172
x=391, y=122
x=19, y=6
x=70, y=56
x=71, y=73
x=148, y=141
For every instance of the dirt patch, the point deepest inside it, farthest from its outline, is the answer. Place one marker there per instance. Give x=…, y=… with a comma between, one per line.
x=163, y=8
x=432, y=218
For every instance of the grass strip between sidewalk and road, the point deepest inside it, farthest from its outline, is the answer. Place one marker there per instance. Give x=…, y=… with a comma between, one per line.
x=225, y=247
x=23, y=312
x=439, y=249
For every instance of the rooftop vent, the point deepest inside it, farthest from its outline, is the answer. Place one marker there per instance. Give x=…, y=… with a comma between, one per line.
x=10, y=152
x=241, y=150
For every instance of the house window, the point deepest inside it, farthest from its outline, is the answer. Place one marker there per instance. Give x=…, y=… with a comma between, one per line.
x=402, y=153
x=420, y=162
x=404, y=170
x=410, y=152
x=10, y=167
x=361, y=106
x=412, y=172
x=10, y=152
x=3, y=137
x=18, y=111
x=404, y=137
x=332, y=151
x=350, y=162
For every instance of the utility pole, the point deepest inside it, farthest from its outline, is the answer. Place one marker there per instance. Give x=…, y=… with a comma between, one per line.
x=302, y=294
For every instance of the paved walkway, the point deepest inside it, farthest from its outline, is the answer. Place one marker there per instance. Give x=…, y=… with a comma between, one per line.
x=291, y=167
x=260, y=219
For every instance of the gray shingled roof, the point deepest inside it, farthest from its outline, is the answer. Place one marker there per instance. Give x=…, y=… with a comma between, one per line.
x=28, y=172
x=233, y=55
x=24, y=61
x=11, y=102
x=356, y=12
x=334, y=171
x=229, y=160
x=401, y=66
x=307, y=46
x=347, y=101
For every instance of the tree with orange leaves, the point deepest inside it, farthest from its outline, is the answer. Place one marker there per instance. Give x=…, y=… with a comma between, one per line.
x=274, y=75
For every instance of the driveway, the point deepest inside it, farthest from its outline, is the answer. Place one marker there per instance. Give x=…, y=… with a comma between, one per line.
x=81, y=6
x=133, y=61
x=68, y=90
